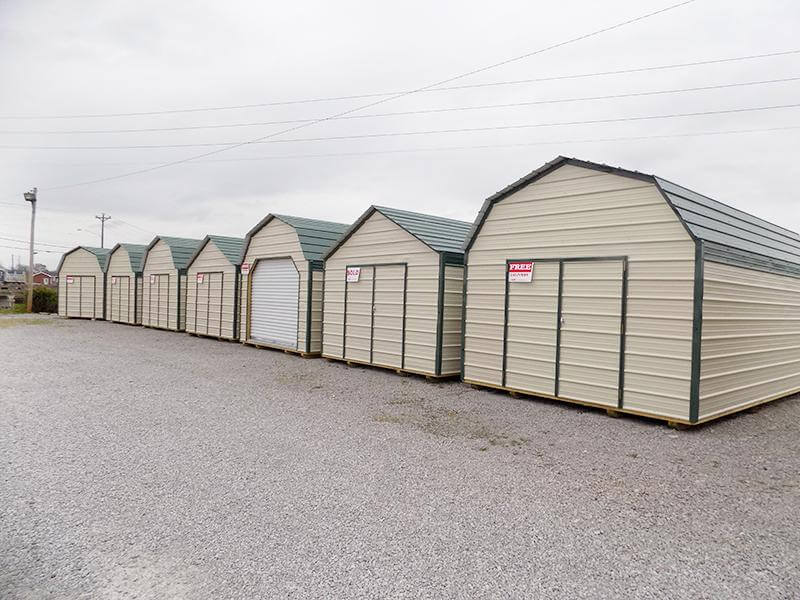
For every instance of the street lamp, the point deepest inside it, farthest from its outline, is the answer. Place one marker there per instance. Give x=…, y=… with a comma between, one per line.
x=31, y=197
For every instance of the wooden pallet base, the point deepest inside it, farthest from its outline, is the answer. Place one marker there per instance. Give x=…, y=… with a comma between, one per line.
x=299, y=353
x=399, y=371
x=219, y=338
x=612, y=412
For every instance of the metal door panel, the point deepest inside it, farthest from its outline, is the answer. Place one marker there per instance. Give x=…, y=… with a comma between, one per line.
x=274, y=302
x=387, y=320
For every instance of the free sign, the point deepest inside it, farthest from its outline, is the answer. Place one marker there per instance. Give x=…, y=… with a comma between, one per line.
x=520, y=272
x=353, y=273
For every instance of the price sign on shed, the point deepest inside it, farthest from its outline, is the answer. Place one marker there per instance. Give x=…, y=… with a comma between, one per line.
x=245, y=268
x=69, y=279
x=353, y=273
x=201, y=277
x=520, y=272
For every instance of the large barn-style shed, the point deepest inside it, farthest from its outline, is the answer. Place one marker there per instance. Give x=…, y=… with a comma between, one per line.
x=124, y=283
x=164, y=282
x=81, y=283
x=281, y=269
x=617, y=289
x=393, y=292
x=212, y=300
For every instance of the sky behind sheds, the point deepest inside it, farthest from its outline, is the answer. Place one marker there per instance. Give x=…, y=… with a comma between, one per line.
x=123, y=57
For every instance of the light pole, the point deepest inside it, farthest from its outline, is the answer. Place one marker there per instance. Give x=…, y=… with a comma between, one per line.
x=31, y=197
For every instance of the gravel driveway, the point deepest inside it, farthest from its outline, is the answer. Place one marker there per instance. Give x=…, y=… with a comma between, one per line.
x=137, y=463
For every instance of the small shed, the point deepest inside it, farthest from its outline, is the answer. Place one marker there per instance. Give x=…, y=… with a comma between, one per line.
x=212, y=301
x=282, y=274
x=164, y=282
x=81, y=287
x=124, y=283
x=618, y=289
x=393, y=292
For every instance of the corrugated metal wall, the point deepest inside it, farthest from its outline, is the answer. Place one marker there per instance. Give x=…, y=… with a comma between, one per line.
x=76, y=299
x=160, y=298
x=575, y=212
x=210, y=305
x=751, y=338
x=451, y=319
x=121, y=298
x=379, y=241
x=318, y=278
x=275, y=240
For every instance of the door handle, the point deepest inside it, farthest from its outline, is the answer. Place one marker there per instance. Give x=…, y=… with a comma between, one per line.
x=563, y=321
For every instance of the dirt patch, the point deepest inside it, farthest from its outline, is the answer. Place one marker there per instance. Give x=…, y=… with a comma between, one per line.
x=443, y=421
x=5, y=323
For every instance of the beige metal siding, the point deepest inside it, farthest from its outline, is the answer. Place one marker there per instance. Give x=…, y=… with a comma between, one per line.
x=163, y=294
x=139, y=295
x=576, y=212
x=750, y=344
x=451, y=319
x=316, y=311
x=121, y=299
x=275, y=240
x=218, y=291
x=379, y=241
x=78, y=300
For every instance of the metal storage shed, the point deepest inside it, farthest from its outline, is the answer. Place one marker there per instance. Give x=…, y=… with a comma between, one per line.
x=164, y=282
x=212, y=301
x=81, y=283
x=393, y=292
x=124, y=283
x=622, y=290
x=281, y=268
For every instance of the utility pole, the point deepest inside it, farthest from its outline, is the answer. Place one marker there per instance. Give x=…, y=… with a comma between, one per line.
x=31, y=197
x=102, y=220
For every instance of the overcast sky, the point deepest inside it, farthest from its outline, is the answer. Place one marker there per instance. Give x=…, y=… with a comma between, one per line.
x=110, y=56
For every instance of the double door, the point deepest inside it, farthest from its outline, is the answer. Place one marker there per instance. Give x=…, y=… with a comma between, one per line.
x=564, y=331
x=121, y=304
x=375, y=309
x=81, y=296
x=207, y=318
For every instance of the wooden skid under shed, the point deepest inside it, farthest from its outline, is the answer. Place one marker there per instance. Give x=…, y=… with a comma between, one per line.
x=220, y=338
x=430, y=377
x=299, y=353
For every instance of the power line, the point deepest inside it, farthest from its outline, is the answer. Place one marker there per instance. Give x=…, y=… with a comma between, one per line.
x=384, y=94
x=37, y=250
x=8, y=239
x=383, y=100
x=230, y=145
x=406, y=113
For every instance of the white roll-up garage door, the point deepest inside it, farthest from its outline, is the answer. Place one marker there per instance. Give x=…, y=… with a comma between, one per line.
x=274, y=303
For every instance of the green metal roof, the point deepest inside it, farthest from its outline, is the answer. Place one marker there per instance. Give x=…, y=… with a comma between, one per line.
x=315, y=236
x=438, y=233
x=182, y=249
x=728, y=234
x=136, y=254
x=231, y=247
x=100, y=253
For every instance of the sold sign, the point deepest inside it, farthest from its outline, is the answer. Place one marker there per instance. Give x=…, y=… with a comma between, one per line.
x=520, y=272
x=353, y=273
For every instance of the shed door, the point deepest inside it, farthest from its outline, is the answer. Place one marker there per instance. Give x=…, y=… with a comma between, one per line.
x=208, y=303
x=387, y=320
x=81, y=296
x=358, y=316
x=591, y=330
x=120, y=290
x=274, y=302
x=158, y=300
x=532, y=330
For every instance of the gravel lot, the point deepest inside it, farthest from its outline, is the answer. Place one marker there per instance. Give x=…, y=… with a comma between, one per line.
x=144, y=464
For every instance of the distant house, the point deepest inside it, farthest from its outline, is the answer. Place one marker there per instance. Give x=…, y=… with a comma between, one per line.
x=45, y=278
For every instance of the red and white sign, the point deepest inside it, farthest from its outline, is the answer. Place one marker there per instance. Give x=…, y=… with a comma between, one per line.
x=201, y=277
x=245, y=268
x=520, y=272
x=69, y=279
x=152, y=279
x=113, y=281
x=353, y=273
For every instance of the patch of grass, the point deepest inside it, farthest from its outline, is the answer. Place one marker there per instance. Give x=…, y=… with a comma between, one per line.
x=5, y=323
x=17, y=309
